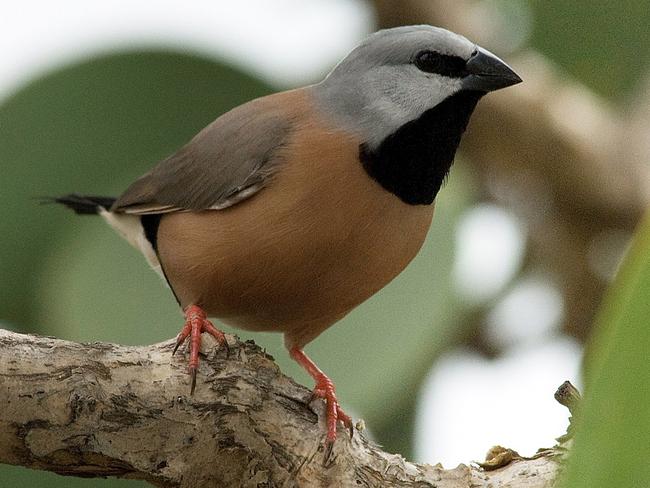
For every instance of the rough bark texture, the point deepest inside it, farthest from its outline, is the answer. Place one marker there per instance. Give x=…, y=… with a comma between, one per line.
x=99, y=409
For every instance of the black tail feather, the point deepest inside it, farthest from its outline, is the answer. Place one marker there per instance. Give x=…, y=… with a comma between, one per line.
x=82, y=204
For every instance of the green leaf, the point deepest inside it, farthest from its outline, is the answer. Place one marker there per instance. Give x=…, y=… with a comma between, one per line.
x=612, y=445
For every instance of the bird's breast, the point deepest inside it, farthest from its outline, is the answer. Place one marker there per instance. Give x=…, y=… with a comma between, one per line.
x=318, y=240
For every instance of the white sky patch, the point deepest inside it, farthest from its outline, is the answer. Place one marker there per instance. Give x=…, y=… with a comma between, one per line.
x=530, y=312
x=468, y=404
x=289, y=42
x=489, y=249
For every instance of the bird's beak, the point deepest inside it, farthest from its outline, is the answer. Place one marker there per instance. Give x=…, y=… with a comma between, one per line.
x=488, y=73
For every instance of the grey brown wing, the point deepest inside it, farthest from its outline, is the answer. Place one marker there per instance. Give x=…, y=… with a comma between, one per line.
x=226, y=162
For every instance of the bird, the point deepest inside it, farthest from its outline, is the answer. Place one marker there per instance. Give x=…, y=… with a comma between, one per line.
x=287, y=212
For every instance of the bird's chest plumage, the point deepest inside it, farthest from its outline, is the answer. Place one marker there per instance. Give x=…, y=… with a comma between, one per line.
x=321, y=238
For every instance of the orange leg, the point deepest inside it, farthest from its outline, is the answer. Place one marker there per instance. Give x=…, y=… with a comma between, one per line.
x=196, y=322
x=324, y=389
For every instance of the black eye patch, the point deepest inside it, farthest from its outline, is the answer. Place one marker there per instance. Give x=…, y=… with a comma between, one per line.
x=442, y=64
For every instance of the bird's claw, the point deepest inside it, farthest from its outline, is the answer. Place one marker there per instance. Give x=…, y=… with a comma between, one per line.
x=192, y=372
x=334, y=413
x=329, y=445
x=196, y=322
x=183, y=334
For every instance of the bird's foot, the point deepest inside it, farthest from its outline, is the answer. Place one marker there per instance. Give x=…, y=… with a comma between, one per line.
x=334, y=413
x=196, y=322
x=325, y=389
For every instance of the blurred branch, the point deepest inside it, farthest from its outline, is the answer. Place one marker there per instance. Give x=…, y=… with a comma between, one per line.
x=97, y=410
x=573, y=167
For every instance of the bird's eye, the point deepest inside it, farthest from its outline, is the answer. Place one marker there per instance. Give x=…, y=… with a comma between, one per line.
x=442, y=64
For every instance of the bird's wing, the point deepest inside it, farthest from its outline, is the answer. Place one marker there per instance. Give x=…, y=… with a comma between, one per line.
x=226, y=162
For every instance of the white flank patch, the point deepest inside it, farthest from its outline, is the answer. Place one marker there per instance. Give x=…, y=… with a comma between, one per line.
x=130, y=228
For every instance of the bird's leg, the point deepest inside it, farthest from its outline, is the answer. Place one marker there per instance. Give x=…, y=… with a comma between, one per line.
x=196, y=322
x=324, y=389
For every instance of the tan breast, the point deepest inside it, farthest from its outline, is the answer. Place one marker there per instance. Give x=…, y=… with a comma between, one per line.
x=321, y=238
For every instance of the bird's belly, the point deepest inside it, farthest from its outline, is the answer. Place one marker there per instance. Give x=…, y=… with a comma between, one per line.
x=277, y=272
x=318, y=240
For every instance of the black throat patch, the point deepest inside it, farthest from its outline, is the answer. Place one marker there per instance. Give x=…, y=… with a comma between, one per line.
x=413, y=161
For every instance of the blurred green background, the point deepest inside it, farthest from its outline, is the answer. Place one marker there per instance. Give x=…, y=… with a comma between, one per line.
x=94, y=126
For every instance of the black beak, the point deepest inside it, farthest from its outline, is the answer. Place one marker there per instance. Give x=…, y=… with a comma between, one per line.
x=488, y=73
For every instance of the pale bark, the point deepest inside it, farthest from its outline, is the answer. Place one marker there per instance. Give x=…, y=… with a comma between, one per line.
x=100, y=409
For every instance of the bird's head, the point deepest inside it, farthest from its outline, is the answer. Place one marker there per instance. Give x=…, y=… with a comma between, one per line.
x=396, y=75
x=407, y=94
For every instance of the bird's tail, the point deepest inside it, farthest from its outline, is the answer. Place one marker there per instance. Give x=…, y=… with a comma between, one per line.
x=83, y=204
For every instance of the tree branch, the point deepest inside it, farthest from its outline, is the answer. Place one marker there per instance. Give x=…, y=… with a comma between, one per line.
x=97, y=410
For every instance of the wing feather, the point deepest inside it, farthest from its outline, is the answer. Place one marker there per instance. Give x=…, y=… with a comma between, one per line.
x=228, y=161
